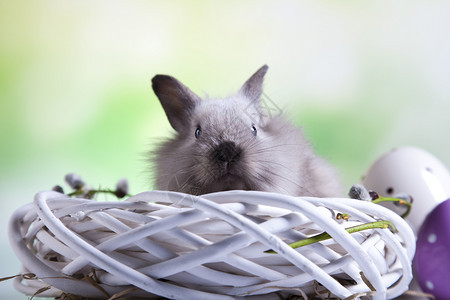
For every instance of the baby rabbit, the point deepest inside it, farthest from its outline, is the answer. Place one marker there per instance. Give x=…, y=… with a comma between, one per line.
x=227, y=144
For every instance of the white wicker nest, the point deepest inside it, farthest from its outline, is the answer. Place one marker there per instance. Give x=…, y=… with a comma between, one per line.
x=209, y=247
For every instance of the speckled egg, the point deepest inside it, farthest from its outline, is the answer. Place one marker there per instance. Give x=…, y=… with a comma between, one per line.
x=432, y=260
x=415, y=172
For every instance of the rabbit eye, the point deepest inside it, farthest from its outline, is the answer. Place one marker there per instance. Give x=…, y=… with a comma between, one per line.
x=254, y=130
x=198, y=132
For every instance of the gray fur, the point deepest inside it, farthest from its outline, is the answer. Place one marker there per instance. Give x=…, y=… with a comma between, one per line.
x=227, y=154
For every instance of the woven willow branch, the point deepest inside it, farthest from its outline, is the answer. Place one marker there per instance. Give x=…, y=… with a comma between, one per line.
x=208, y=247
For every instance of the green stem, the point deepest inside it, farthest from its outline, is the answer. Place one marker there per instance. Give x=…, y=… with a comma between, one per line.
x=325, y=236
x=93, y=192
x=400, y=201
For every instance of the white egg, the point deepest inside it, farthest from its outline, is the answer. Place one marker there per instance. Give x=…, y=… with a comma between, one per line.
x=412, y=171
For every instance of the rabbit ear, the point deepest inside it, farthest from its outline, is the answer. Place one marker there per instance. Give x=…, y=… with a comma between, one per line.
x=252, y=88
x=176, y=99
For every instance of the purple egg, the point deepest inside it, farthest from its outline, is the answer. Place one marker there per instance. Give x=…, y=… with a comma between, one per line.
x=432, y=259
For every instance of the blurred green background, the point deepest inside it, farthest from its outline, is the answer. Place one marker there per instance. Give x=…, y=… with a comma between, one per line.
x=362, y=77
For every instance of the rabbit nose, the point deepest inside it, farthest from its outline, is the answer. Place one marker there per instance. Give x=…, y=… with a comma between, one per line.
x=226, y=152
